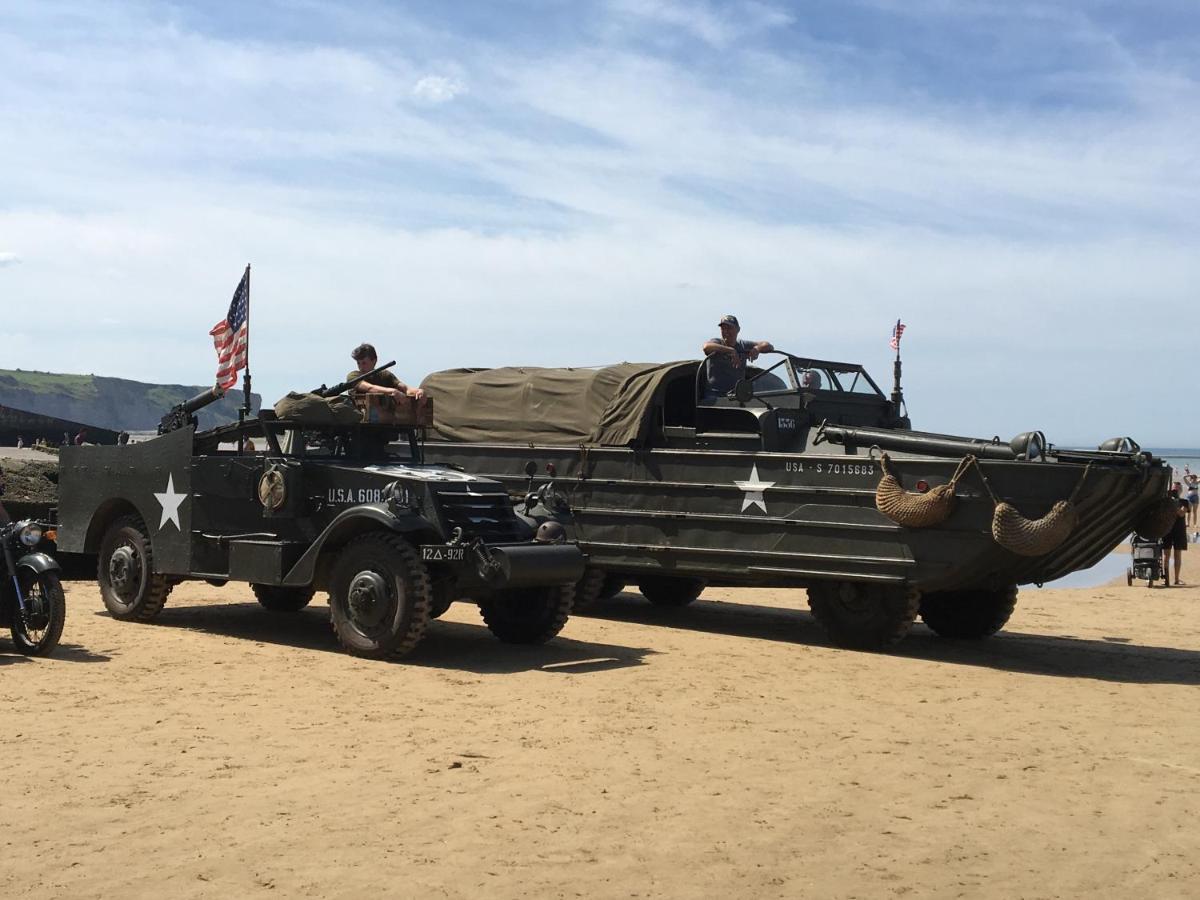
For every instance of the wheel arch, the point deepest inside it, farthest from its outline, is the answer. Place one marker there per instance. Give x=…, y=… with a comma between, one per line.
x=104, y=516
x=313, y=567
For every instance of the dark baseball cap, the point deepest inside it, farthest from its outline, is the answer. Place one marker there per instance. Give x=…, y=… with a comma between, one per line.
x=729, y=320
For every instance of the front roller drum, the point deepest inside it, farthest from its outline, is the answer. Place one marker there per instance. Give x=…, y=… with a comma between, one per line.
x=864, y=616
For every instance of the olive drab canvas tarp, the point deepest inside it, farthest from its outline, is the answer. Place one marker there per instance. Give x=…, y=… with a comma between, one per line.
x=607, y=405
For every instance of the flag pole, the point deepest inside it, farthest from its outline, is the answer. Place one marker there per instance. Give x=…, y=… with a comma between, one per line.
x=246, y=377
x=897, y=392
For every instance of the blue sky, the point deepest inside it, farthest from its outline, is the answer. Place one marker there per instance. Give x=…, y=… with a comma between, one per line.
x=561, y=183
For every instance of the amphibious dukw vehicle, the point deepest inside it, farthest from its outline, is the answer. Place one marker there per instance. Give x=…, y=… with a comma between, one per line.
x=327, y=502
x=806, y=475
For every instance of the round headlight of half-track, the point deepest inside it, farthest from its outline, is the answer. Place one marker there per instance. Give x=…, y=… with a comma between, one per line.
x=31, y=535
x=555, y=498
x=400, y=498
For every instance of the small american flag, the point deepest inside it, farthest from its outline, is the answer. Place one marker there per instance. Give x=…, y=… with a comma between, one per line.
x=231, y=335
x=897, y=333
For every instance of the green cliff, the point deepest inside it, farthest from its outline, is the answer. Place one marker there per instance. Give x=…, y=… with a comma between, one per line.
x=113, y=403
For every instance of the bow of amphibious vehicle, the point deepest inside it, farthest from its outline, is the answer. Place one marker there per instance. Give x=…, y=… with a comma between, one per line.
x=783, y=482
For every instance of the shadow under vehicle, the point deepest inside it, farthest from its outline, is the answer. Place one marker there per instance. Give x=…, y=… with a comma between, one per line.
x=331, y=503
x=807, y=475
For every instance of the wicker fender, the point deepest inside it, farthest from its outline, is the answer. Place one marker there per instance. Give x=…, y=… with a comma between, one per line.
x=914, y=510
x=1033, y=537
x=1159, y=519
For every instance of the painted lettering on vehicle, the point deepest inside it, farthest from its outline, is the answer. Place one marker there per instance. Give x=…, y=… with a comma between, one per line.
x=355, y=495
x=827, y=468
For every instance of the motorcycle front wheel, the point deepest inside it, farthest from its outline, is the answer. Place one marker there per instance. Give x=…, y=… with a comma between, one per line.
x=36, y=632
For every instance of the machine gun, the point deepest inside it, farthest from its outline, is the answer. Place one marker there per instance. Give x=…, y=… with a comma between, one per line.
x=323, y=391
x=182, y=414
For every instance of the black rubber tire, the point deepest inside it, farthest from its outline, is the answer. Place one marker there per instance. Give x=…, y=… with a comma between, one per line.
x=969, y=614
x=47, y=605
x=441, y=598
x=588, y=588
x=614, y=583
x=137, y=595
x=528, y=615
x=365, y=626
x=1129, y=577
x=280, y=599
x=864, y=616
x=670, y=590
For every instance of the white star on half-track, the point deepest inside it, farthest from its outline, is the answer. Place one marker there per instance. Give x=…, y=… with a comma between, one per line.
x=170, y=502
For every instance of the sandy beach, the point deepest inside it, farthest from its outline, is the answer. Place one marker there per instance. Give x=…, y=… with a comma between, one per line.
x=721, y=750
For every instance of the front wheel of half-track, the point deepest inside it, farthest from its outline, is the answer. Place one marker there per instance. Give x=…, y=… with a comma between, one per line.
x=968, y=614
x=864, y=616
x=379, y=602
x=128, y=585
x=528, y=615
x=280, y=599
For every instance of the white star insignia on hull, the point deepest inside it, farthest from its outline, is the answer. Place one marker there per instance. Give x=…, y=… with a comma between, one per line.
x=754, y=490
x=170, y=502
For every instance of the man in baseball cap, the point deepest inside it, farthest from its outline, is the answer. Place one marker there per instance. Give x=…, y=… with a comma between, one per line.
x=727, y=357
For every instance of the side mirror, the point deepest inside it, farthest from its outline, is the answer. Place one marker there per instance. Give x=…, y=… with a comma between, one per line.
x=743, y=391
x=530, y=468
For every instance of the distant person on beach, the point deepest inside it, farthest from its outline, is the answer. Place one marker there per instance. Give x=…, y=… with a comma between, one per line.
x=20, y=441
x=1176, y=538
x=81, y=438
x=66, y=442
x=1193, y=494
x=122, y=438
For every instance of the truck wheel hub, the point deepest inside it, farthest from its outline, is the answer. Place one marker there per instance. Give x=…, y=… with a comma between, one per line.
x=123, y=569
x=368, y=598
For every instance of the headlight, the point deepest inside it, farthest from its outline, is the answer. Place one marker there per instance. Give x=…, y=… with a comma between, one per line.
x=1029, y=445
x=554, y=498
x=31, y=535
x=400, y=498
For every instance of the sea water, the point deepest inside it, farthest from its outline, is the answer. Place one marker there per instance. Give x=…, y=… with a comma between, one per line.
x=1182, y=460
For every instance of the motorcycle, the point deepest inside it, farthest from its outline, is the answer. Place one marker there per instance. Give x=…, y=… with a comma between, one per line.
x=32, y=602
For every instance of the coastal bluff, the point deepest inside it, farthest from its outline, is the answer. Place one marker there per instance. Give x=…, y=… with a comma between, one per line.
x=113, y=403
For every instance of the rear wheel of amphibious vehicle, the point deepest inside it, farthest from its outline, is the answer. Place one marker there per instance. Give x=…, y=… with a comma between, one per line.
x=125, y=570
x=668, y=590
x=970, y=614
x=528, y=615
x=379, y=599
x=277, y=598
x=864, y=616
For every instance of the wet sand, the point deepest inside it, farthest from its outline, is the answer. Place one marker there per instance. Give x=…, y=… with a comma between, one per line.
x=720, y=750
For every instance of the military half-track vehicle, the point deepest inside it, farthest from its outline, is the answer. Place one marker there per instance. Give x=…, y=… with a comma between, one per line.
x=807, y=475
x=324, y=503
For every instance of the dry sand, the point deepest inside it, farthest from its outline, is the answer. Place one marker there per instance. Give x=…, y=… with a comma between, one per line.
x=720, y=750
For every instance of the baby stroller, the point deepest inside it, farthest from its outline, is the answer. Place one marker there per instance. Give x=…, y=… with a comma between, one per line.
x=1147, y=560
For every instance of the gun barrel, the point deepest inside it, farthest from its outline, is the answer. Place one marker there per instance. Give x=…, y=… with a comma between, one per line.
x=212, y=395
x=323, y=391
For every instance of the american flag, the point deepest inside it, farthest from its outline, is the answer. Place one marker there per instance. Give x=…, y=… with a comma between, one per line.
x=232, y=334
x=897, y=333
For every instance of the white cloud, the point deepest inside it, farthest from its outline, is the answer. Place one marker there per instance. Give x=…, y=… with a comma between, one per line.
x=8, y=259
x=1017, y=242
x=437, y=89
x=718, y=25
